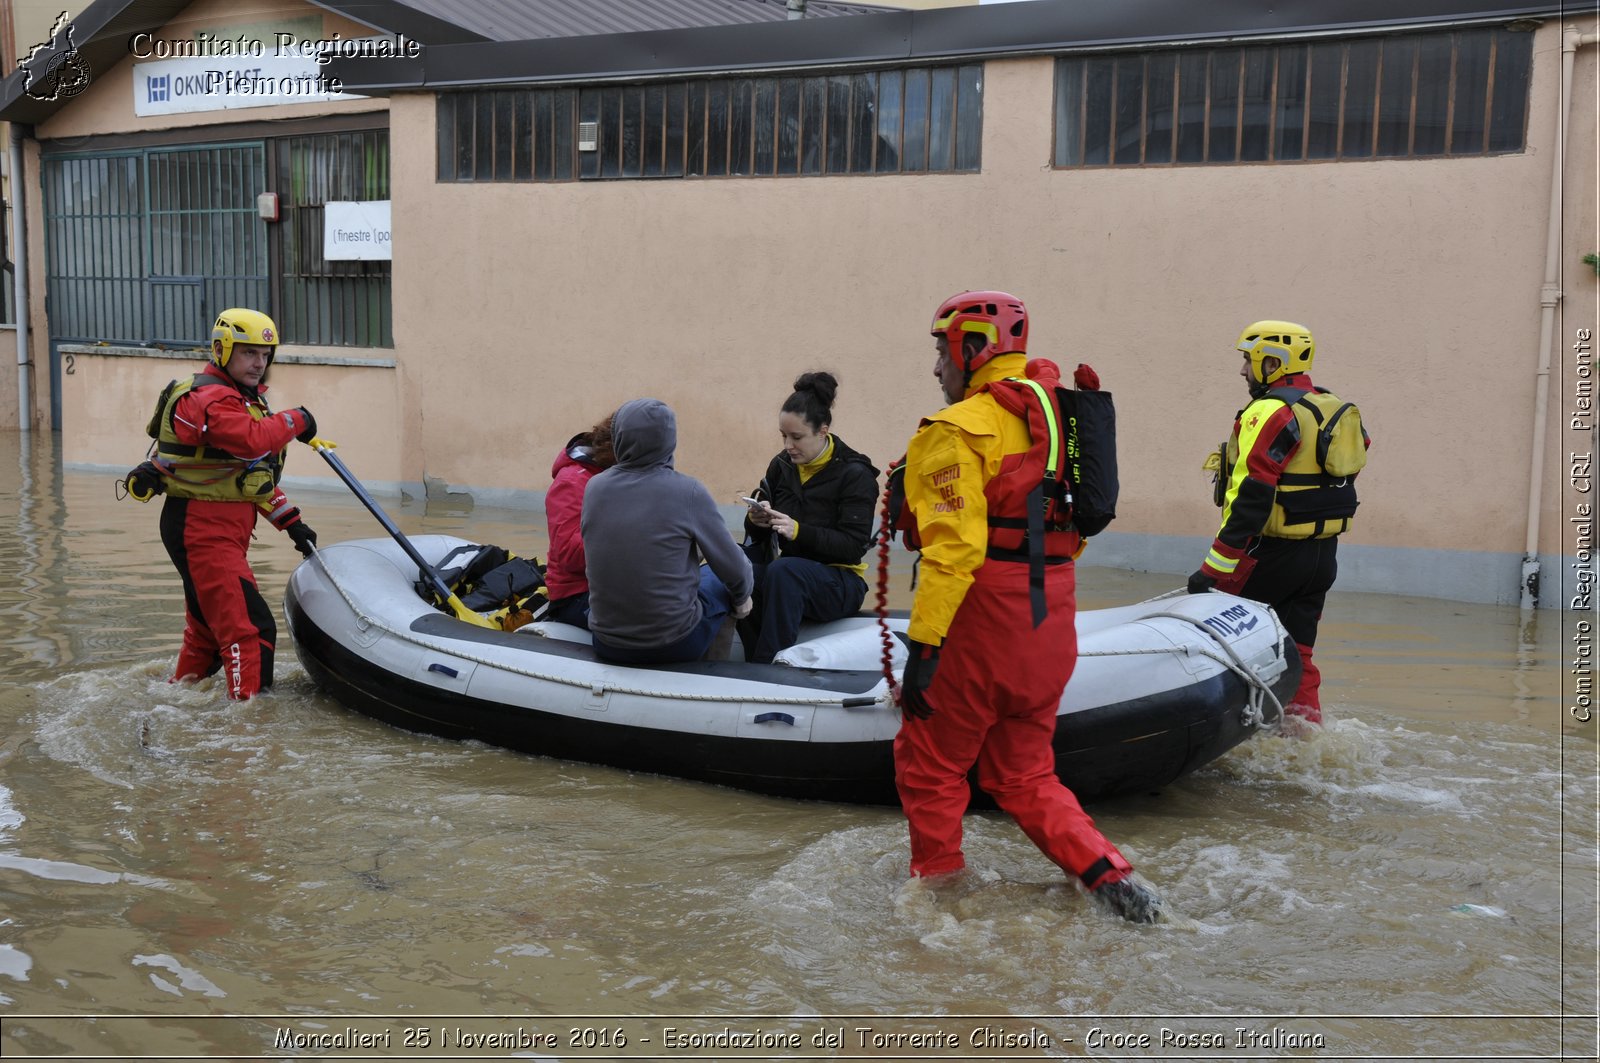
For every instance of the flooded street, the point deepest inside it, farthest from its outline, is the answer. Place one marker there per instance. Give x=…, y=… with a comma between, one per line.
x=185, y=877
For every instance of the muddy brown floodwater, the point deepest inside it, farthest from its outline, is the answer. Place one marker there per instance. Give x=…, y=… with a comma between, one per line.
x=181, y=876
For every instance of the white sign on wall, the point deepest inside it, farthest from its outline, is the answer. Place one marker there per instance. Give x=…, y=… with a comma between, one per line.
x=217, y=83
x=356, y=230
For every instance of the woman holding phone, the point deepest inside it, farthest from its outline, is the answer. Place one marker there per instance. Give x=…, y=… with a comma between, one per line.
x=810, y=526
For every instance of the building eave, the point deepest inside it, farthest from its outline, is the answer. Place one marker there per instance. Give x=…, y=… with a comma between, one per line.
x=973, y=32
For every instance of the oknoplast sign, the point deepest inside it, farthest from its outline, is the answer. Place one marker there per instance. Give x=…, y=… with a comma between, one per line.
x=212, y=73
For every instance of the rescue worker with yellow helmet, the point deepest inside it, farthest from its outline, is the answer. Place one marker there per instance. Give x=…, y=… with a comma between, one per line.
x=218, y=456
x=989, y=659
x=1286, y=485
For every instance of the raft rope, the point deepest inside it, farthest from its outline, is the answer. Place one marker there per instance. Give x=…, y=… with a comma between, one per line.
x=885, y=538
x=364, y=621
x=1260, y=692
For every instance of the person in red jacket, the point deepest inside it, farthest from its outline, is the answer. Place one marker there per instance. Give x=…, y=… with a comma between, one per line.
x=565, y=581
x=218, y=456
x=989, y=658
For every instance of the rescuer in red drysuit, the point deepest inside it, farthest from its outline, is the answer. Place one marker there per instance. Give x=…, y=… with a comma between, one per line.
x=986, y=672
x=218, y=457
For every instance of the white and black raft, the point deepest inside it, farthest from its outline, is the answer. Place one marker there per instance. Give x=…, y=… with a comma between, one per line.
x=1162, y=687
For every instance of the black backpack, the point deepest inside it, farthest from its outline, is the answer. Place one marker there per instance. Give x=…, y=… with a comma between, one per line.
x=487, y=578
x=1091, y=440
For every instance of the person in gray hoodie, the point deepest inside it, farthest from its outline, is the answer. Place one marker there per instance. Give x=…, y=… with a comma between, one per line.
x=645, y=528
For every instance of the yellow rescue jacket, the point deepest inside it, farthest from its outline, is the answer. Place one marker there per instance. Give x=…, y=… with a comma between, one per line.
x=1310, y=502
x=205, y=472
x=949, y=464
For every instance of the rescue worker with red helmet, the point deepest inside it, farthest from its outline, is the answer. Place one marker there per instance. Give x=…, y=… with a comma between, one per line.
x=989, y=658
x=1285, y=499
x=218, y=456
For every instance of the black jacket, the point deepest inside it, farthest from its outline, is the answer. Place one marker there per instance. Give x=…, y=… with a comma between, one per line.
x=835, y=508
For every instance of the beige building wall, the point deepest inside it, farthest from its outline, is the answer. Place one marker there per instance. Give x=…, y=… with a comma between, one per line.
x=523, y=312
x=100, y=430
x=547, y=305
x=107, y=400
x=30, y=23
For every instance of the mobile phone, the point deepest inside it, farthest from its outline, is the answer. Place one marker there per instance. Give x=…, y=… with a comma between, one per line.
x=752, y=503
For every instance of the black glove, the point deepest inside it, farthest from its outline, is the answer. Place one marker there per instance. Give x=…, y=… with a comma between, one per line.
x=1199, y=583
x=302, y=536
x=311, y=425
x=917, y=678
x=145, y=482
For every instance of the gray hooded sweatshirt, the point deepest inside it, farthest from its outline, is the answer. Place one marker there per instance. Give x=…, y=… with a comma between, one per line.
x=645, y=528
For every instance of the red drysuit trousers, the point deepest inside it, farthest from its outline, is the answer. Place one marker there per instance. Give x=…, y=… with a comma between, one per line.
x=227, y=624
x=995, y=697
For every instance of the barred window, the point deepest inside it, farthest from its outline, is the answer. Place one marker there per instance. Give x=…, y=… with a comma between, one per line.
x=1413, y=96
x=323, y=303
x=147, y=245
x=917, y=120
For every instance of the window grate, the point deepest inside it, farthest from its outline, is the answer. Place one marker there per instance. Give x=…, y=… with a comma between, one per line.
x=143, y=247
x=322, y=303
x=147, y=246
x=923, y=119
x=1406, y=96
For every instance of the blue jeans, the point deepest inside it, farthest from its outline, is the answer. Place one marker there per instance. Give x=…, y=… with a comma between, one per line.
x=714, y=606
x=790, y=590
x=573, y=609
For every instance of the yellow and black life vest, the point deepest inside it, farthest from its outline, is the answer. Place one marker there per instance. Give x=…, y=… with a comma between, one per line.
x=1316, y=495
x=205, y=472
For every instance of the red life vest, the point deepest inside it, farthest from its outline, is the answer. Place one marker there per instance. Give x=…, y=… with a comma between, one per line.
x=1027, y=477
x=1030, y=500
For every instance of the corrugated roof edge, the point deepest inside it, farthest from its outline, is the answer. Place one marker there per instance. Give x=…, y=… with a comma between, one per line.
x=509, y=20
x=1050, y=26
x=102, y=30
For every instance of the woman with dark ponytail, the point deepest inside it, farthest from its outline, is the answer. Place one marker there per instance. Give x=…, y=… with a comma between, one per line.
x=810, y=532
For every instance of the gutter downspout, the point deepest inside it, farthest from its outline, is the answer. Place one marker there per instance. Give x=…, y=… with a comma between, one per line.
x=1549, y=298
x=19, y=283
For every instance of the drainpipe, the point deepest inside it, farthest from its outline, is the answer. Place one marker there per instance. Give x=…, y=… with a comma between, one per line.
x=19, y=284
x=1549, y=298
x=797, y=9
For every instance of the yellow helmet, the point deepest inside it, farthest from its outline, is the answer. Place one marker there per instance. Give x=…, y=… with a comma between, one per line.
x=240, y=325
x=1289, y=343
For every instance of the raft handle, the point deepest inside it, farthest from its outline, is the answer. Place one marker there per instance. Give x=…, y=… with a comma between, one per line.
x=769, y=717
x=445, y=668
x=859, y=703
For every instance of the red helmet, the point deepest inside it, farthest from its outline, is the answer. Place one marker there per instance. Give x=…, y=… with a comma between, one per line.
x=998, y=317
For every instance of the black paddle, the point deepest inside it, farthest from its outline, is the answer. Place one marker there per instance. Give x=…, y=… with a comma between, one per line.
x=440, y=588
